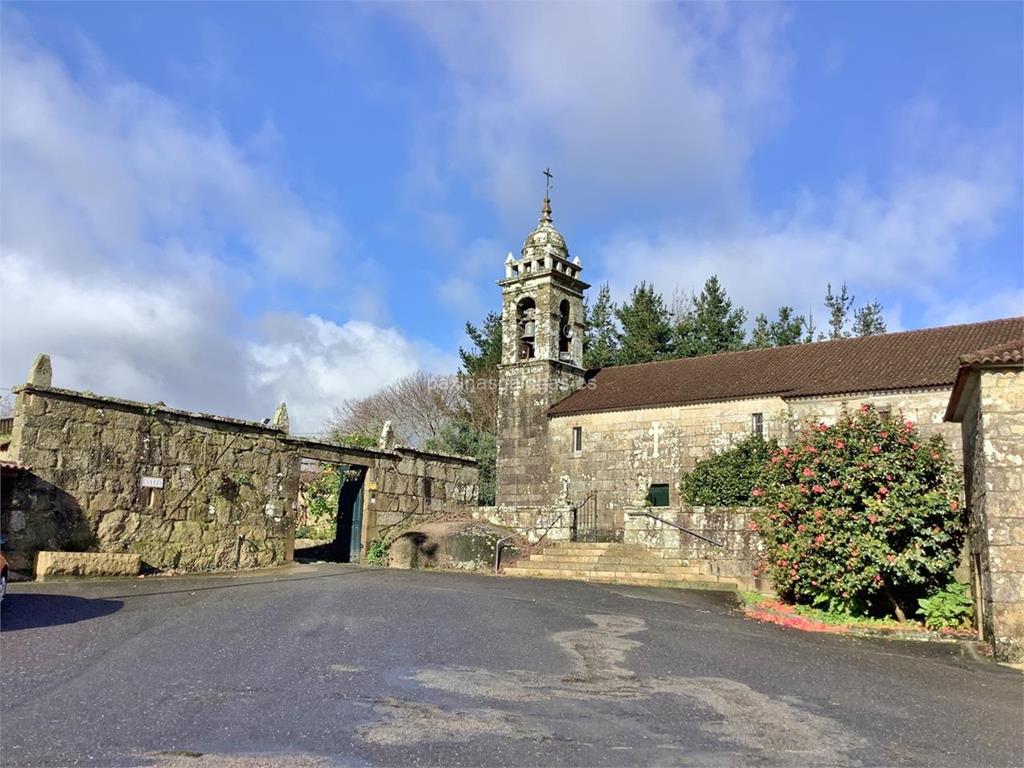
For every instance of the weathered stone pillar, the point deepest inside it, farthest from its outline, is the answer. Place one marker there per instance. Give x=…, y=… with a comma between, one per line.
x=41, y=373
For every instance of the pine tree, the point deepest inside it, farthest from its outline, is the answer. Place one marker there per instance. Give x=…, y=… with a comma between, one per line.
x=712, y=326
x=486, y=352
x=810, y=328
x=761, y=336
x=839, y=311
x=600, y=342
x=868, y=320
x=646, y=333
x=788, y=329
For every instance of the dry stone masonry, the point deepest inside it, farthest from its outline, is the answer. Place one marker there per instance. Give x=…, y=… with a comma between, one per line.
x=185, y=490
x=989, y=402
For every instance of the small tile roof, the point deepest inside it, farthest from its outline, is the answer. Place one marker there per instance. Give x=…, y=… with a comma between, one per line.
x=1007, y=353
x=889, y=361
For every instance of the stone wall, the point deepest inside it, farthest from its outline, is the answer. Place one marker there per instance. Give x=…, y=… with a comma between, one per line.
x=225, y=492
x=992, y=413
x=730, y=526
x=525, y=444
x=925, y=407
x=624, y=451
x=534, y=524
x=224, y=487
x=397, y=494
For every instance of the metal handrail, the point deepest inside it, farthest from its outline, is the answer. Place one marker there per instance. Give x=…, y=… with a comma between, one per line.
x=681, y=528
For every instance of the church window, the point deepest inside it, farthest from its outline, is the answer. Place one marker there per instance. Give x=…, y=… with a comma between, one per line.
x=757, y=424
x=577, y=439
x=657, y=495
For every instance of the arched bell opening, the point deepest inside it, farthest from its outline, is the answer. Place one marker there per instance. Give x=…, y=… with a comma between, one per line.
x=526, y=324
x=564, y=330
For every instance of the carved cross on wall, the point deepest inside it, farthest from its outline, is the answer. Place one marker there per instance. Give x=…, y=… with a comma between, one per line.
x=655, y=431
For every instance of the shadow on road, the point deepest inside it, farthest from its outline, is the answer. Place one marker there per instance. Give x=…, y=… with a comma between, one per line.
x=33, y=611
x=240, y=584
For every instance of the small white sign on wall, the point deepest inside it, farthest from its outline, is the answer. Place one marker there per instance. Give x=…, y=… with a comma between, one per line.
x=152, y=482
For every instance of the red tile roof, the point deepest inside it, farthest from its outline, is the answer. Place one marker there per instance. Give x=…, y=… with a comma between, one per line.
x=1001, y=354
x=890, y=361
x=1009, y=353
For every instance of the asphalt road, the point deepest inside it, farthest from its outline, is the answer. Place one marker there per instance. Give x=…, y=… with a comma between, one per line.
x=338, y=665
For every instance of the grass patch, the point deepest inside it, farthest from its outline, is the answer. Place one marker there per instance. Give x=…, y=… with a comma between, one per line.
x=316, y=532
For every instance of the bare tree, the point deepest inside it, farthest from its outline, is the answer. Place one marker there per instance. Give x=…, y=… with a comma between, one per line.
x=417, y=407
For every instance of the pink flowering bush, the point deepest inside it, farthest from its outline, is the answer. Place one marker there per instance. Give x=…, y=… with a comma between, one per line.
x=862, y=517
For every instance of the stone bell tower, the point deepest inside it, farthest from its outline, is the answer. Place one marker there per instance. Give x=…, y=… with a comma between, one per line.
x=541, y=359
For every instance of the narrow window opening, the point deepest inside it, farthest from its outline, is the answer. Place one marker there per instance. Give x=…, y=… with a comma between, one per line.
x=577, y=439
x=657, y=495
x=564, y=330
x=757, y=424
x=428, y=488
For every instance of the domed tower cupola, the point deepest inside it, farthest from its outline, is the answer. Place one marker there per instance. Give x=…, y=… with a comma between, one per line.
x=545, y=240
x=543, y=299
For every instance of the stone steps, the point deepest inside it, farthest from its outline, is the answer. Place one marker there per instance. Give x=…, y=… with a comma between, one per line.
x=558, y=557
x=621, y=566
x=611, y=563
x=626, y=578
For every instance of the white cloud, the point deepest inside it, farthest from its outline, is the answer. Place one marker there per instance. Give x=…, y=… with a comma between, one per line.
x=906, y=241
x=632, y=99
x=131, y=232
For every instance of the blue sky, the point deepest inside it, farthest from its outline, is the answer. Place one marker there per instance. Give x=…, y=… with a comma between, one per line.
x=226, y=205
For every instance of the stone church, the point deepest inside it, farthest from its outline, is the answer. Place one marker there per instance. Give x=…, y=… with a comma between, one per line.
x=623, y=436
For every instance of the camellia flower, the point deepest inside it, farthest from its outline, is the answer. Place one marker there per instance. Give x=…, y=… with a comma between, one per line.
x=757, y=492
x=876, y=449
x=840, y=444
x=908, y=424
x=864, y=407
x=883, y=490
x=834, y=483
x=808, y=472
x=872, y=518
